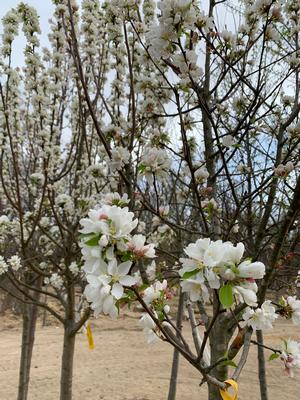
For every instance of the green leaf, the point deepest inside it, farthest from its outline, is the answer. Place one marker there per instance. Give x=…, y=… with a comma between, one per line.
x=235, y=270
x=93, y=241
x=230, y=363
x=161, y=316
x=142, y=168
x=273, y=356
x=189, y=274
x=282, y=302
x=126, y=256
x=84, y=235
x=226, y=295
x=143, y=287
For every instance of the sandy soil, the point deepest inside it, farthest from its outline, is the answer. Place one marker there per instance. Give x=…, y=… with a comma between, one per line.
x=123, y=366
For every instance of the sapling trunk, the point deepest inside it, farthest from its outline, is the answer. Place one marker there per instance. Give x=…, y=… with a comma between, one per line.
x=30, y=314
x=66, y=379
x=261, y=367
x=175, y=363
x=28, y=333
x=219, y=338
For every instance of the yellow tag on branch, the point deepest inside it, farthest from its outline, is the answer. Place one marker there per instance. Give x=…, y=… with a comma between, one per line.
x=90, y=337
x=233, y=386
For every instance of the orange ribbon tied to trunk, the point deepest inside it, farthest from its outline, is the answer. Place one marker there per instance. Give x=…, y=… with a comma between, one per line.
x=231, y=384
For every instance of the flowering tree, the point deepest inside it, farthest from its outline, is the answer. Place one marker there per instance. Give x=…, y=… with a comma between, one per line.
x=177, y=135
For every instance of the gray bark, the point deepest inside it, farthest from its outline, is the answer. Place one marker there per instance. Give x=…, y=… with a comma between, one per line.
x=30, y=314
x=175, y=363
x=261, y=367
x=28, y=333
x=219, y=339
x=66, y=379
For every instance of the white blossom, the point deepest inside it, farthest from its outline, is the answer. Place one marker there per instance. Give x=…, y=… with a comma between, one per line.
x=290, y=356
x=154, y=161
x=155, y=291
x=137, y=245
x=3, y=266
x=73, y=267
x=261, y=318
x=148, y=325
x=14, y=262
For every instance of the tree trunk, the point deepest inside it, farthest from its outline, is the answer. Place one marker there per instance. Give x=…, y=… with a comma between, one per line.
x=30, y=314
x=66, y=378
x=28, y=333
x=219, y=338
x=261, y=367
x=175, y=363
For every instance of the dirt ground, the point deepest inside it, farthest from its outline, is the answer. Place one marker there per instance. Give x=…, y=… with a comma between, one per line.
x=123, y=367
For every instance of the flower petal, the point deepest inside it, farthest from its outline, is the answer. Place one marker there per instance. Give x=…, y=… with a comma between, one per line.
x=124, y=268
x=128, y=280
x=117, y=290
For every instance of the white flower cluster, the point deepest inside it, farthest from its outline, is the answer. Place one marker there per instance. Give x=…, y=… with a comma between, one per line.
x=106, y=242
x=290, y=355
x=261, y=318
x=201, y=175
x=156, y=162
x=55, y=280
x=14, y=262
x=3, y=266
x=282, y=170
x=155, y=297
x=115, y=199
x=217, y=264
x=74, y=268
x=174, y=13
x=120, y=157
x=187, y=64
x=290, y=309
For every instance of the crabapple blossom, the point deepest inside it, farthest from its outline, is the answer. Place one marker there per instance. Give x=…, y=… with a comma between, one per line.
x=196, y=288
x=261, y=318
x=151, y=270
x=213, y=263
x=74, y=268
x=115, y=199
x=107, y=238
x=137, y=245
x=114, y=222
x=290, y=355
x=155, y=291
x=284, y=170
x=3, y=266
x=201, y=175
x=246, y=292
x=228, y=141
x=148, y=325
x=164, y=210
x=154, y=161
x=14, y=262
x=55, y=280
x=106, y=286
x=291, y=308
x=252, y=270
x=120, y=157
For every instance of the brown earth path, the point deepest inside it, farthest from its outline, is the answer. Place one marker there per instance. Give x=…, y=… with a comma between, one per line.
x=124, y=367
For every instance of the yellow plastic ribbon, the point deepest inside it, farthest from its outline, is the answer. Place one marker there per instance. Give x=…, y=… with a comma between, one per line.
x=90, y=337
x=224, y=393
